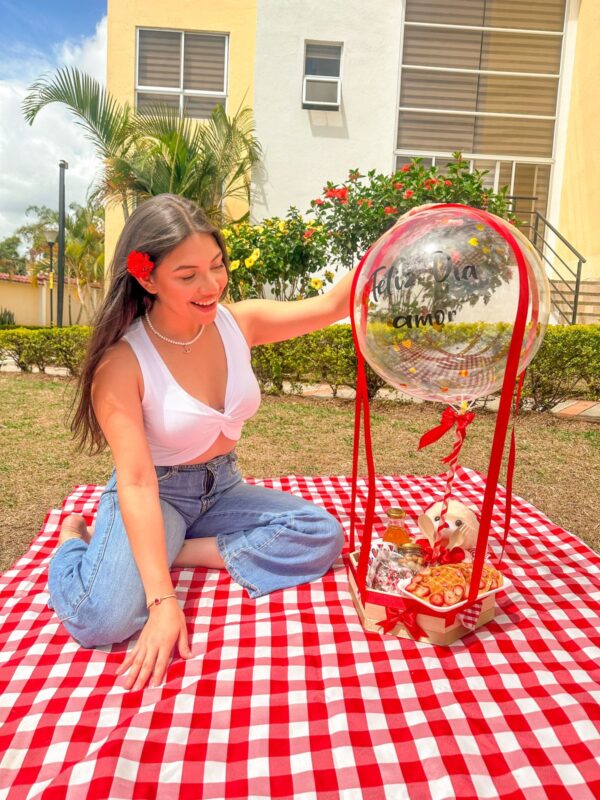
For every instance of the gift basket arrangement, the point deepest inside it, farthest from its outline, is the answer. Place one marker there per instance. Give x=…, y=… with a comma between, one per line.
x=450, y=305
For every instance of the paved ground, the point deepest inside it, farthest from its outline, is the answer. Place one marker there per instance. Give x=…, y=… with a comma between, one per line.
x=588, y=410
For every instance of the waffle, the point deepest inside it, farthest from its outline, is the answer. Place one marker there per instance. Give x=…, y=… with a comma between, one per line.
x=490, y=577
x=448, y=584
x=443, y=585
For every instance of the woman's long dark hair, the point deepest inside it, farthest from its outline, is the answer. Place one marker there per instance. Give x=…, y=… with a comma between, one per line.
x=156, y=227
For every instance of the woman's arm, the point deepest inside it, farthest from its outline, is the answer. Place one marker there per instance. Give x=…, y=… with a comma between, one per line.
x=116, y=396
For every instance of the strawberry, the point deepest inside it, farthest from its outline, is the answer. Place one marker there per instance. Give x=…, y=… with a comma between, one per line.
x=450, y=598
x=422, y=591
x=436, y=599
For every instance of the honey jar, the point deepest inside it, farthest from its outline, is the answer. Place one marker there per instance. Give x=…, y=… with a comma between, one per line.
x=396, y=533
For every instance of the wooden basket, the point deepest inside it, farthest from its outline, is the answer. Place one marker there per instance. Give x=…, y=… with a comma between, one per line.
x=438, y=629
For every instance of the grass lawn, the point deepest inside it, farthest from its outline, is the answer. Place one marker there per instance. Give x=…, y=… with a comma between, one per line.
x=558, y=461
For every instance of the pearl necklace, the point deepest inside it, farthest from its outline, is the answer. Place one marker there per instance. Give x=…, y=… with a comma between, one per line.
x=186, y=345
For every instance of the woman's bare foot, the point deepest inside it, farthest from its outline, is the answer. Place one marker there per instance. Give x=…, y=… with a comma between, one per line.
x=74, y=527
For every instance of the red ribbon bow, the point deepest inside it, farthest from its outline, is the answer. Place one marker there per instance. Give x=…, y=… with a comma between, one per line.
x=450, y=418
x=439, y=554
x=402, y=616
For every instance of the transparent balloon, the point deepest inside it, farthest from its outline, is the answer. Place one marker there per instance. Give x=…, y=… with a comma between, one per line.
x=436, y=300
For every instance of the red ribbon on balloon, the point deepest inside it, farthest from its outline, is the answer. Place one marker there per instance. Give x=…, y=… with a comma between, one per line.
x=449, y=419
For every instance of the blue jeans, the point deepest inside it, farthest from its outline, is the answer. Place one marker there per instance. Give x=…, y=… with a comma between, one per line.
x=268, y=540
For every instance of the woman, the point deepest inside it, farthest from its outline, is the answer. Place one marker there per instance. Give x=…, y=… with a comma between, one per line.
x=167, y=384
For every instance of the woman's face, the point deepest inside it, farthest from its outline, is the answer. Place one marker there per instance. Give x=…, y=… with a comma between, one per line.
x=190, y=280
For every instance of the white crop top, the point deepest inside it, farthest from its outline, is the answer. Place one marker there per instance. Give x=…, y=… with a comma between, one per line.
x=179, y=427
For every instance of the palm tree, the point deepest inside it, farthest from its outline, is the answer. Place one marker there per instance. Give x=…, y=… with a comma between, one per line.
x=84, y=254
x=155, y=151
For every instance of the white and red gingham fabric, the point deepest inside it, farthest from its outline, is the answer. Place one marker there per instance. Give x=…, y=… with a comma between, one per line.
x=288, y=697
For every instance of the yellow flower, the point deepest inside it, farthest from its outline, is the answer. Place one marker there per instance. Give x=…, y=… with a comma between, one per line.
x=234, y=265
x=255, y=253
x=474, y=241
x=329, y=275
x=259, y=229
x=249, y=262
x=486, y=250
x=282, y=226
x=228, y=249
x=226, y=233
x=316, y=283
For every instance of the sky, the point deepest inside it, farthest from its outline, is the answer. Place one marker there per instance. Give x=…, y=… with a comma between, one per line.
x=39, y=36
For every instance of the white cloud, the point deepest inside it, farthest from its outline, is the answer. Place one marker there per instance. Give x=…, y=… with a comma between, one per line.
x=29, y=155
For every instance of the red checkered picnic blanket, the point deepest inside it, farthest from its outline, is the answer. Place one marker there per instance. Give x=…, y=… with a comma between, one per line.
x=288, y=697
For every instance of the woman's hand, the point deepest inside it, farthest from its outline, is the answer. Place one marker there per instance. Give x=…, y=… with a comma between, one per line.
x=150, y=656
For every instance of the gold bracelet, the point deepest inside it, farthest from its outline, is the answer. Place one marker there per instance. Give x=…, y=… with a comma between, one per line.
x=158, y=600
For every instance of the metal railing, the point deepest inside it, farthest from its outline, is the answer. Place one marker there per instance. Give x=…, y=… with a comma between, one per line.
x=565, y=279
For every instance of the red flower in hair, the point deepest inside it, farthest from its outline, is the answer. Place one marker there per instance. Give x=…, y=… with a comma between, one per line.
x=140, y=265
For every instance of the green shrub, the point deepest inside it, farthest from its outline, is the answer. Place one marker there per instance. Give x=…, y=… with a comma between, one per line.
x=281, y=254
x=6, y=317
x=42, y=347
x=357, y=212
x=16, y=343
x=268, y=365
x=567, y=364
x=69, y=347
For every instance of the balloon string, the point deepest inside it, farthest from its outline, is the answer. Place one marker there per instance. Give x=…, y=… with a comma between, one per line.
x=450, y=417
x=450, y=475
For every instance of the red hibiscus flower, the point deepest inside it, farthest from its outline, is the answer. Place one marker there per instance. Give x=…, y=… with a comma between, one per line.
x=398, y=186
x=405, y=168
x=308, y=233
x=448, y=183
x=390, y=210
x=408, y=194
x=318, y=202
x=139, y=265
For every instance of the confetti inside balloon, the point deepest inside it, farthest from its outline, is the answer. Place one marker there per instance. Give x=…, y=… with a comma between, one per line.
x=436, y=299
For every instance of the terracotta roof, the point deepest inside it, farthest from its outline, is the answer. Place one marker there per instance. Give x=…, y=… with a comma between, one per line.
x=42, y=278
x=6, y=276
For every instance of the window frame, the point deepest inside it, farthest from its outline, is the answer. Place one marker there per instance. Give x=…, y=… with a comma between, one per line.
x=315, y=104
x=441, y=156
x=181, y=92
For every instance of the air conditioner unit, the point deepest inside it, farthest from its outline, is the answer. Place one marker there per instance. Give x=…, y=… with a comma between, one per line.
x=321, y=92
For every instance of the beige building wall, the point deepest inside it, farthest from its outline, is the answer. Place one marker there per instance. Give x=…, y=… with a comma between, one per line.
x=30, y=303
x=237, y=18
x=579, y=219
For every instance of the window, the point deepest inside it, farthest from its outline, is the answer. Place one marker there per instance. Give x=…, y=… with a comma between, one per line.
x=186, y=71
x=482, y=78
x=322, y=86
